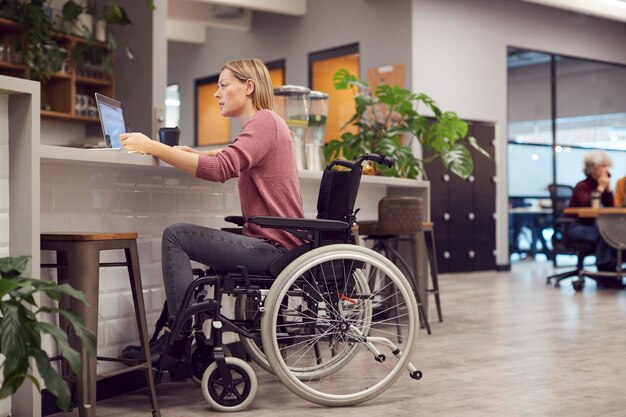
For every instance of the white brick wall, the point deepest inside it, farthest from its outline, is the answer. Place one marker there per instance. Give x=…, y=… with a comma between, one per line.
x=144, y=201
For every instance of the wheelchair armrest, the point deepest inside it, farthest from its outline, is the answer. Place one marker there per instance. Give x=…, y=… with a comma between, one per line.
x=238, y=220
x=298, y=224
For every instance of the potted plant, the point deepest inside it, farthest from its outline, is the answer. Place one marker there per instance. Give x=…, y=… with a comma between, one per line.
x=92, y=53
x=36, y=44
x=21, y=331
x=387, y=115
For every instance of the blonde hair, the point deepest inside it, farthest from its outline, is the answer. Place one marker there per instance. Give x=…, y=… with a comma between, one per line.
x=254, y=69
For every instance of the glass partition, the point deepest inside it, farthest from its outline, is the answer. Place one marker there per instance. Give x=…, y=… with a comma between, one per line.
x=559, y=109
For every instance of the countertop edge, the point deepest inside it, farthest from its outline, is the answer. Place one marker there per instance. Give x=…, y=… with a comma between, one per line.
x=114, y=157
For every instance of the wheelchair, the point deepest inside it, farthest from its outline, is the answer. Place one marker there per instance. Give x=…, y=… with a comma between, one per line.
x=322, y=319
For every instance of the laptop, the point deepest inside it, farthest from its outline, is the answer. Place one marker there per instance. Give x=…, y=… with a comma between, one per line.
x=111, y=119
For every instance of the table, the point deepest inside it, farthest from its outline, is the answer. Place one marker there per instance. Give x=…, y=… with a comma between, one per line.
x=592, y=213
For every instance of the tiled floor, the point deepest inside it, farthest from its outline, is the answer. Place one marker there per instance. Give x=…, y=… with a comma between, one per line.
x=509, y=346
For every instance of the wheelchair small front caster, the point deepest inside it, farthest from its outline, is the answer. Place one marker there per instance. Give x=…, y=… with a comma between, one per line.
x=416, y=375
x=201, y=359
x=243, y=389
x=578, y=285
x=380, y=358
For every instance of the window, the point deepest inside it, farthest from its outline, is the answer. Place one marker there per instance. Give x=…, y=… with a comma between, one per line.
x=322, y=67
x=172, y=105
x=277, y=72
x=560, y=108
x=211, y=127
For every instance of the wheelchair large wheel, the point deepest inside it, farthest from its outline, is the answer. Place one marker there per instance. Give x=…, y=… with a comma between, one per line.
x=235, y=398
x=246, y=308
x=321, y=334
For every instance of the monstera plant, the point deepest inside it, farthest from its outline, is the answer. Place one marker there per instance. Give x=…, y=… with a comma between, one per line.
x=389, y=119
x=21, y=331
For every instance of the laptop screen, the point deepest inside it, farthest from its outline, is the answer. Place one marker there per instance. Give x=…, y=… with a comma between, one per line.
x=111, y=119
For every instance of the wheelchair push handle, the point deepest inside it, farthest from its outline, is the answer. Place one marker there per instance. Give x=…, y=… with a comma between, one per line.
x=379, y=159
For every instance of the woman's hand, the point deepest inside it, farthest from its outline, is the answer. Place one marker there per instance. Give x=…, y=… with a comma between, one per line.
x=604, y=183
x=136, y=142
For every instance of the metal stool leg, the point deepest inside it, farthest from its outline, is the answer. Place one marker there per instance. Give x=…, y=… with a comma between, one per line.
x=132, y=259
x=415, y=285
x=432, y=260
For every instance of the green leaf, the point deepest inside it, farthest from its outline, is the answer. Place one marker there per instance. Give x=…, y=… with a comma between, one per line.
x=129, y=53
x=115, y=14
x=71, y=10
x=14, y=340
x=150, y=4
x=72, y=356
x=54, y=383
x=13, y=267
x=8, y=285
x=458, y=160
x=474, y=144
x=11, y=384
x=86, y=336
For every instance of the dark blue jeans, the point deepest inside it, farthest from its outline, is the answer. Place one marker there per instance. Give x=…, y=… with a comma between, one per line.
x=589, y=232
x=218, y=249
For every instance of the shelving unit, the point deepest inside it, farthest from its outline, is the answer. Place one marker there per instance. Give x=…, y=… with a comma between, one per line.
x=66, y=92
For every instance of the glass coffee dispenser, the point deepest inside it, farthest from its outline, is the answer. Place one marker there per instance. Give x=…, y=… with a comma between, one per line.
x=314, y=140
x=291, y=102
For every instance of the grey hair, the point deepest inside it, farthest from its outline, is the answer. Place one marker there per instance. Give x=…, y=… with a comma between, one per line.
x=595, y=159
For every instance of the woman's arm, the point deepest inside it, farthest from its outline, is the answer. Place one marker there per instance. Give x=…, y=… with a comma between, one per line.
x=181, y=159
x=212, y=152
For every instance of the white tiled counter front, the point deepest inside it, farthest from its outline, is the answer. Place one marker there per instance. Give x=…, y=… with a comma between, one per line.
x=104, y=191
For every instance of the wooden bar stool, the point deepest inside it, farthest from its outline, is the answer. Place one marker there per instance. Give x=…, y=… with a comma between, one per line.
x=78, y=264
x=398, y=217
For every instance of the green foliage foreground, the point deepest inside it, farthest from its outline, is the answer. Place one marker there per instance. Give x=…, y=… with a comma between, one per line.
x=21, y=331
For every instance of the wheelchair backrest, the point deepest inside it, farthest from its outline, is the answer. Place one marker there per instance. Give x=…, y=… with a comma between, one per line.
x=338, y=191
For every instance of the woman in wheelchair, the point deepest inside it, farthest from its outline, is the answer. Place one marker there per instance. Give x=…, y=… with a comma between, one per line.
x=261, y=157
x=318, y=312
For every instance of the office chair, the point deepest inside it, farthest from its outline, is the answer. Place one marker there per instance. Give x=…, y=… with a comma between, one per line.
x=561, y=243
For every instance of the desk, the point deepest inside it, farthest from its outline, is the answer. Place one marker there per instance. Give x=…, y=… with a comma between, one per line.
x=535, y=219
x=592, y=213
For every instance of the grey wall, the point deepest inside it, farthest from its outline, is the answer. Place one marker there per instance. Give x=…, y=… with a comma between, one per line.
x=134, y=79
x=382, y=29
x=459, y=50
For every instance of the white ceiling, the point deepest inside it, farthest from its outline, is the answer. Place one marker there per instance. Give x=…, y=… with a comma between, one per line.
x=608, y=9
x=188, y=19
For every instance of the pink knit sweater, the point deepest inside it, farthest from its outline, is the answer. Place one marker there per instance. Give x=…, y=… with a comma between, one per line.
x=262, y=158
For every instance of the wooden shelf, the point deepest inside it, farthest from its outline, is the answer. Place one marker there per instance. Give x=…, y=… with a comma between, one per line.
x=60, y=91
x=92, y=81
x=67, y=116
x=9, y=23
x=61, y=76
x=9, y=65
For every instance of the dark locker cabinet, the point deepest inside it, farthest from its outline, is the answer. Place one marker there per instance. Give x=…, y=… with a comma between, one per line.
x=463, y=210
